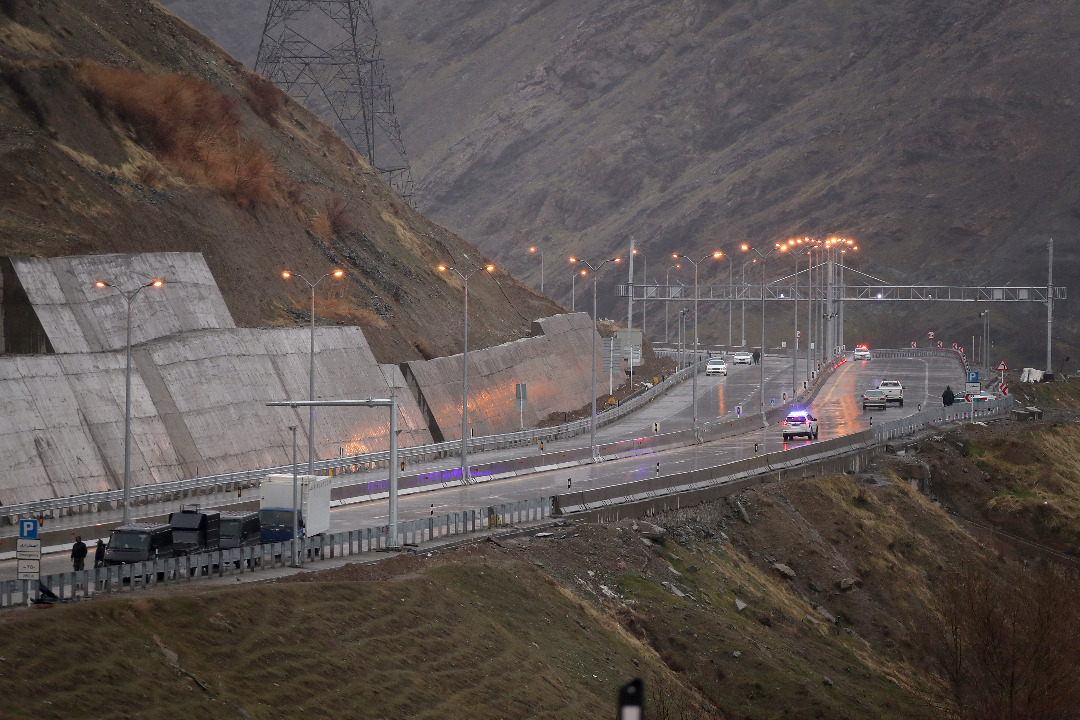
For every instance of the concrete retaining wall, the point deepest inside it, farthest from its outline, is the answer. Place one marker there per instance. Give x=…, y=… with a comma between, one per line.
x=198, y=406
x=77, y=316
x=200, y=385
x=553, y=364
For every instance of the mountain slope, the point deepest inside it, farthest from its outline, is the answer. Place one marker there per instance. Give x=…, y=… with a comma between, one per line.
x=124, y=130
x=940, y=136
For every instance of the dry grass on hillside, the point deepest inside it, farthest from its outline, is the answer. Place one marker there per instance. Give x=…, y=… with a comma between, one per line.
x=192, y=129
x=549, y=627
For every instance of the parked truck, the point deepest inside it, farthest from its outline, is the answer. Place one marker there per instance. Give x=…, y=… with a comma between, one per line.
x=137, y=542
x=195, y=530
x=276, y=506
x=239, y=528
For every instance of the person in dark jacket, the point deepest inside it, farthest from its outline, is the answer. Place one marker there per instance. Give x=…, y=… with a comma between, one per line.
x=78, y=553
x=947, y=397
x=99, y=554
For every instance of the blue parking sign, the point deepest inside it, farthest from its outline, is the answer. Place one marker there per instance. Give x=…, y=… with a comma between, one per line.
x=973, y=376
x=28, y=528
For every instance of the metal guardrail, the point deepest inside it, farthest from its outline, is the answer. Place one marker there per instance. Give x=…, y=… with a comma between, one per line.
x=237, y=561
x=245, y=479
x=595, y=498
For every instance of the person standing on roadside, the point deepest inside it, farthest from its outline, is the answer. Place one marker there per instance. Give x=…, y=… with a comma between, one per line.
x=99, y=554
x=78, y=553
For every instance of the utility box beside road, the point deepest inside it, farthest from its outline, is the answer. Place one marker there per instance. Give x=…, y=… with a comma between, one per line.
x=276, y=506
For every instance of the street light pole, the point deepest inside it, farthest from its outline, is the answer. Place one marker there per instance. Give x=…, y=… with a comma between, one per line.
x=594, y=270
x=311, y=360
x=667, y=300
x=743, y=329
x=465, y=370
x=573, y=289
x=644, y=285
x=761, y=366
x=694, y=374
x=534, y=250
x=730, y=300
x=128, y=296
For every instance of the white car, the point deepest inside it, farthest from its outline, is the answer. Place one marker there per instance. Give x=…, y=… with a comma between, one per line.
x=861, y=354
x=742, y=358
x=894, y=391
x=716, y=366
x=800, y=422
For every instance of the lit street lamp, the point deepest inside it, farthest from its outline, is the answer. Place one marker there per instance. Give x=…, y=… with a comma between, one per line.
x=645, y=287
x=465, y=370
x=761, y=364
x=535, y=250
x=595, y=270
x=128, y=296
x=695, y=359
x=287, y=274
x=573, y=288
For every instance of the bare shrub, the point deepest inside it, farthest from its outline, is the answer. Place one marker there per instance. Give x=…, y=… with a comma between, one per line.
x=264, y=98
x=253, y=176
x=1004, y=642
x=188, y=126
x=337, y=214
x=149, y=174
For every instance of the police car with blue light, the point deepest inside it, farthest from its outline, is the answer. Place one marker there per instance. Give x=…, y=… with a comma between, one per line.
x=800, y=422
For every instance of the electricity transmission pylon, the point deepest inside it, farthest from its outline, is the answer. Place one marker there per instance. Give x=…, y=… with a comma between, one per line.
x=325, y=53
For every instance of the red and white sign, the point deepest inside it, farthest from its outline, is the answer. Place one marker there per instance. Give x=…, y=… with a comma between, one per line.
x=955, y=346
x=1004, y=389
x=798, y=333
x=1002, y=366
x=930, y=335
x=913, y=344
x=939, y=343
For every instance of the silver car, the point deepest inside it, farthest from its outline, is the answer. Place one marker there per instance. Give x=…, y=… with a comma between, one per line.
x=874, y=398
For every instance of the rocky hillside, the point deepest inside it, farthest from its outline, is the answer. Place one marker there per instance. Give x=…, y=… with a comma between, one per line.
x=939, y=135
x=122, y=129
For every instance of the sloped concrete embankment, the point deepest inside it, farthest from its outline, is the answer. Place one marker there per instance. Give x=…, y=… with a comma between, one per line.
x=553, y=364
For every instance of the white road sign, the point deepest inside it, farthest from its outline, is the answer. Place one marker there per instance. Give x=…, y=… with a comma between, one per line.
x=27, y=549
x=29, y=569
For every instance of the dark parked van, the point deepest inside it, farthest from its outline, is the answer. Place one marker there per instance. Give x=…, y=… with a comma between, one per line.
x=239, y=528
x=138, y=542
x=195, y=530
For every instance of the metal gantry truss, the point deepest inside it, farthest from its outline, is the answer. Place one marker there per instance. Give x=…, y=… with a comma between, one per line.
x=786, y=290
x=326, y=54
x=828, y=292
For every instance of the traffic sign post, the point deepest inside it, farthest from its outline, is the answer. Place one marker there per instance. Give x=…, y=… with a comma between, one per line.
x=930, y=335
x=1002, y=367
x=28, y=555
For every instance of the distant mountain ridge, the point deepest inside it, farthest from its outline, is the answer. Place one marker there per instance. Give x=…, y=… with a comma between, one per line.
x=940, y=135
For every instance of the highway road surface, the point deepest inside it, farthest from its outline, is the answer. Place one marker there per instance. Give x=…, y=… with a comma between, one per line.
x=837, y=406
